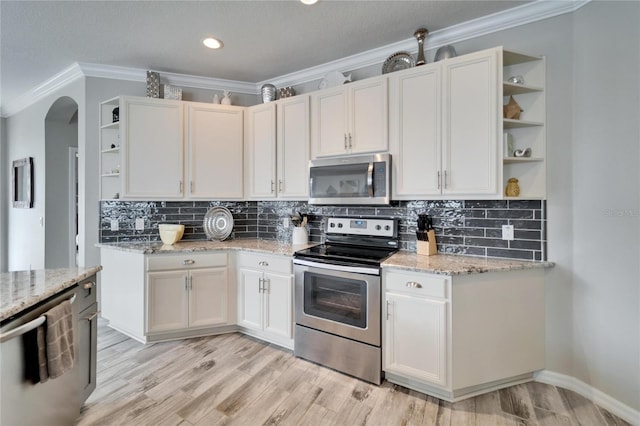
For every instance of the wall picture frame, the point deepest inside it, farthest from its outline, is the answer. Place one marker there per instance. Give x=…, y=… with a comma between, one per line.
x=22, y=183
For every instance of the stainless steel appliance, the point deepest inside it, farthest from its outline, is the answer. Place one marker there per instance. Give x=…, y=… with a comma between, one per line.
x=354, y=179
x=56, y=401
x=337, y=296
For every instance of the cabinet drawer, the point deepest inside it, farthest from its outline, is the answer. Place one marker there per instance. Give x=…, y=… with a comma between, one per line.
x=416, y=284
x=265, y=262
x=85, y=294
x=163, y=262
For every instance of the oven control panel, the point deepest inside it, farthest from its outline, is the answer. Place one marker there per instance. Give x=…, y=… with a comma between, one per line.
x=359, y=226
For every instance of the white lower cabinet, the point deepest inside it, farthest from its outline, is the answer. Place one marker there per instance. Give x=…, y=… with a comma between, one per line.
x=179, y=300
x=454, y=337
x=265, y=295
x=417, y=337
x=416, y=326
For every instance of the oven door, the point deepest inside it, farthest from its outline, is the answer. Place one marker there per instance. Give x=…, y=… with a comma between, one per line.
x=330, y=299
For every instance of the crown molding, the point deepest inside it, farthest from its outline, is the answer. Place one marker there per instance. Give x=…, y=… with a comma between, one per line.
x=517, y=16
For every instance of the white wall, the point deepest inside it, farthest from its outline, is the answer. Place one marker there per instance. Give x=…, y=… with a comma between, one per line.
x=606, y=199
x=25, y=132
x=5, y=168
x=60, y=135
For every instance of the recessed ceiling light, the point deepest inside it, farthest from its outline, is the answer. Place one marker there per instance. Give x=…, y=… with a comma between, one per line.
x=212, y=43
x=309, y=1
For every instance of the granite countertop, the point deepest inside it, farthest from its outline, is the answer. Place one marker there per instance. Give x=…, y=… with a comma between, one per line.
x=446, y=264
x=20, y=290
x=439, y=264
x=256, y=245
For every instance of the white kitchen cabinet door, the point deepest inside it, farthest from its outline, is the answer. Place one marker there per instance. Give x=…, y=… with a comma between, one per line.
x=214, y=140
x=250, y=297
x=369, y=116
x=152, y=149
x=414, y=132
x=329, y=123
x=470, y=125
x=208, y=297
x=278, y=305
x=415, y=342
x=293, y=148
x=261, y=151
x=167, y=301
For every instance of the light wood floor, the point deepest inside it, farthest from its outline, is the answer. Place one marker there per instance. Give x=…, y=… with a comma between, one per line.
x=235, y=379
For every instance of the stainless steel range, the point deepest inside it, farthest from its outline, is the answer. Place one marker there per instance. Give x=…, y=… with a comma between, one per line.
x=338, y=296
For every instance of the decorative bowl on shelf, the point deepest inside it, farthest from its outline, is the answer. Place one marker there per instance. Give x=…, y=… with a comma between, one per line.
x=170, y=233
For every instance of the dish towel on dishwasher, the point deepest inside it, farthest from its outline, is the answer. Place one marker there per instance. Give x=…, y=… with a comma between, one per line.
x=59, y=340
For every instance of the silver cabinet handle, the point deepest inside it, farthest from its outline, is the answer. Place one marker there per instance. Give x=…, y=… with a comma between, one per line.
x=89, y=285
x=439, y=184
x=350, y=141
x=445, y=179
x=186, y=283
x=280, y=185
x=180, y=187
x=345, y=141
x=273, y=186
x=190, y=282
x=188, y=262
x=413, y=284
x=263, y=263
x=388, y=307
x=260, y=282
x=190, y=186
x=265, y=285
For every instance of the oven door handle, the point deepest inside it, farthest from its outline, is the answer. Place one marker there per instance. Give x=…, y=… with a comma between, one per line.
x=370, y=179
x=339, y=268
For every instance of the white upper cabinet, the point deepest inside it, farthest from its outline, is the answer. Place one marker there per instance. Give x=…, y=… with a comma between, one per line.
x=172, y=150
x=414, y=131
x=293, y=148
x=214, y=141
x=152, y=148
x=443, y=129
x=470, y=125
x=278, y=149
x=350, y=119
x=261, y=151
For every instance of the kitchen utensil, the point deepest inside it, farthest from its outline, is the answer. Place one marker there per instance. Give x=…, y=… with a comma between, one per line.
x=398, y=61
x=420, y=35
x=445, y=52
x=218, y=223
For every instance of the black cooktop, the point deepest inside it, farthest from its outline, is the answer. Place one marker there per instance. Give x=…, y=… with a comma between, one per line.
x=346, y=253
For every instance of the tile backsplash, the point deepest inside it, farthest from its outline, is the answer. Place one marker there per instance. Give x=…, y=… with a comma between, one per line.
x=468, y=227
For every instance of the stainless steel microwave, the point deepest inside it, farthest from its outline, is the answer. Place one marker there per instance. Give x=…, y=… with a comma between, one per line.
x=353, y=179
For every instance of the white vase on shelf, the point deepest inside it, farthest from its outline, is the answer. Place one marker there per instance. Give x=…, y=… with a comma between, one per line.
x=216, y=99
x=227, y=98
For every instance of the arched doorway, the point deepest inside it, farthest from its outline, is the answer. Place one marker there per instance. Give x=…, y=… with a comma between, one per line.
x=61, y=184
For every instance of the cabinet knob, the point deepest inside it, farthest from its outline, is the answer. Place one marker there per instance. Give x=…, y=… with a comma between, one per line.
x=88, y=285
x=263, y=263
x=188, y=262
x=413, y=284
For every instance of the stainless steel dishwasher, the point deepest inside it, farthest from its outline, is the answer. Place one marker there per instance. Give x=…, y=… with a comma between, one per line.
x=57, y=401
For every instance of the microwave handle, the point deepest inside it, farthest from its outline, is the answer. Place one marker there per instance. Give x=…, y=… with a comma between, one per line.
x=370, y=179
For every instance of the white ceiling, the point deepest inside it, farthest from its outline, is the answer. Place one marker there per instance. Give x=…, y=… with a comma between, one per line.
x=262, y=39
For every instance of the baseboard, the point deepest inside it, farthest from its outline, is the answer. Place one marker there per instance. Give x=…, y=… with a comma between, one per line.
x=598, y=397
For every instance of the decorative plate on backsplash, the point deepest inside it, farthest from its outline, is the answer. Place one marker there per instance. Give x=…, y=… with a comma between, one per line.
x=218, y=223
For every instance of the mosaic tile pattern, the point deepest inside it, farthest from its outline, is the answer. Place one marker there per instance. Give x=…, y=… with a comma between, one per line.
x=469, y=227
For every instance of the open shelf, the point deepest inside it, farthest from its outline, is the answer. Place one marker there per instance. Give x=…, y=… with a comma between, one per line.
x=508, y=160
x=509, y=89
x=509, y=123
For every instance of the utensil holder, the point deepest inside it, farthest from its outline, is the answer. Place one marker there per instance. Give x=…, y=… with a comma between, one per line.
x=299, y=236
x=427, y=248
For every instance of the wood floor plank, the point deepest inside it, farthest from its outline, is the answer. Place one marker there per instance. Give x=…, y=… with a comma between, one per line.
x=234, y=379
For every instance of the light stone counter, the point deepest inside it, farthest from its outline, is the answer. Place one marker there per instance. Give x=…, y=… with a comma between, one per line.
x=20, y=290
x=255, y=245
x=444, y=264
